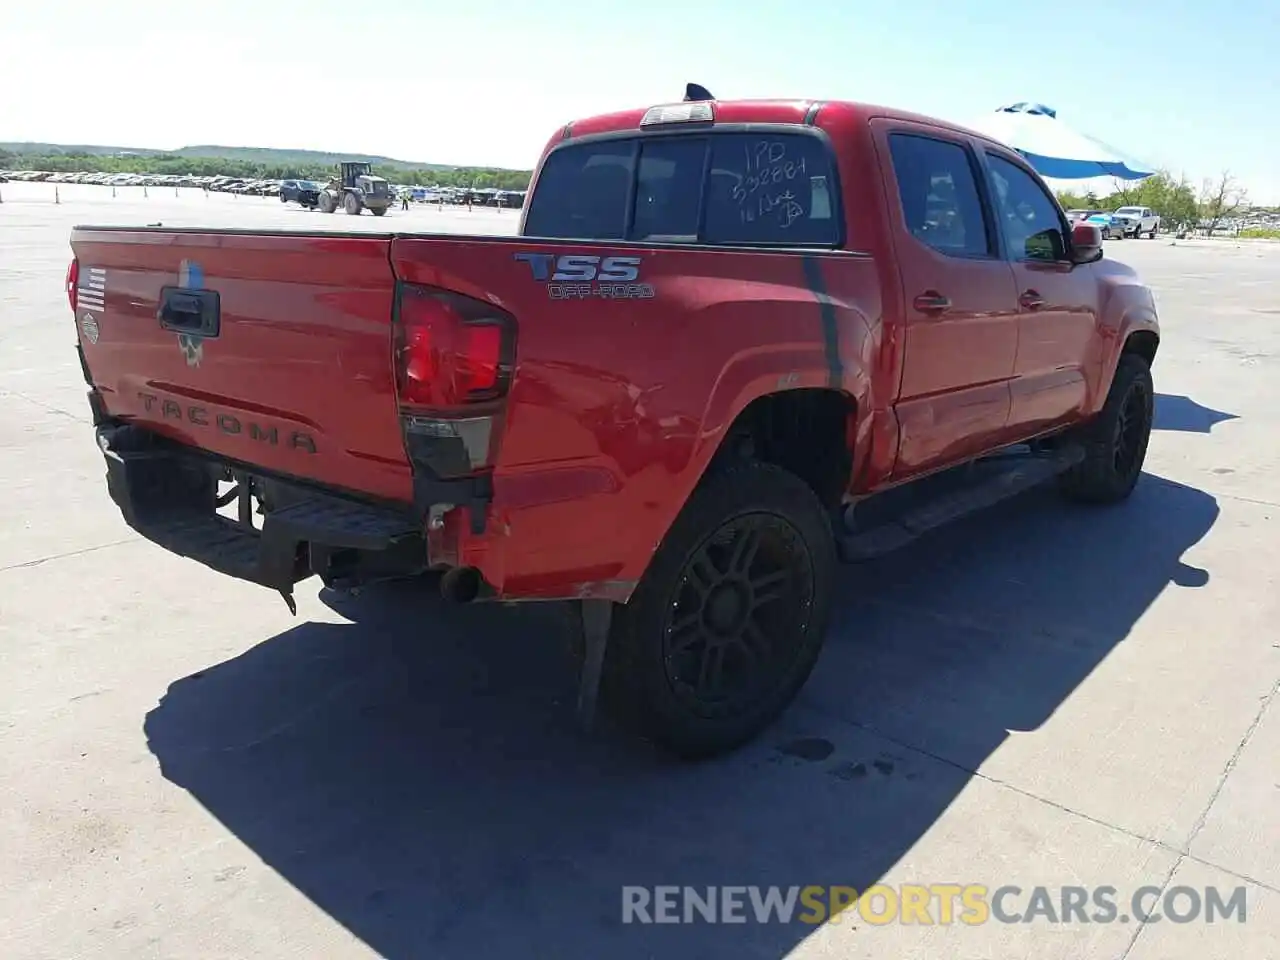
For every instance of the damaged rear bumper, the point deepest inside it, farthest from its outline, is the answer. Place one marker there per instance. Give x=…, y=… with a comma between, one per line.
x=283, y=531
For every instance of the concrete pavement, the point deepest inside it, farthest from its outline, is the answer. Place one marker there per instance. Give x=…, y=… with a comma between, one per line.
x=1043, y=695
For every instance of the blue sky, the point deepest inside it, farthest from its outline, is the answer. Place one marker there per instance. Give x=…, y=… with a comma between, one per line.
x=486, y=81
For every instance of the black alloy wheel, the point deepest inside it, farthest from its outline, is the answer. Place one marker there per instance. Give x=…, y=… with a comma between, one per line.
x=740, y=615
x=1131, y=430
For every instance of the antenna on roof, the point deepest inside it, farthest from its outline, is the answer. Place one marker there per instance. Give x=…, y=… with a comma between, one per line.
x=693, y=91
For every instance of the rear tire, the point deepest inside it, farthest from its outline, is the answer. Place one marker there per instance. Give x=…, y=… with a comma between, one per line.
x=378, y=211
x=1115, y=442
x=730, y=617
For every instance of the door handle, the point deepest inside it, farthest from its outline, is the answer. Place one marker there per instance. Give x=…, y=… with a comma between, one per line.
x=1031, y=300
x=931, y=301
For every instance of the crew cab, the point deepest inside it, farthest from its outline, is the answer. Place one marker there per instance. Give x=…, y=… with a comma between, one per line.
x=1139, y=220
x=727, y=334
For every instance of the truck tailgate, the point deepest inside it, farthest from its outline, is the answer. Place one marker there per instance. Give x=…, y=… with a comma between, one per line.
x=271, y=350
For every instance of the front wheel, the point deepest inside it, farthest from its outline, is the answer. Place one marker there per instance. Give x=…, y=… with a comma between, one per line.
x=378, y=211
x=726, y=625
x=1115, y=442
x=352, y=204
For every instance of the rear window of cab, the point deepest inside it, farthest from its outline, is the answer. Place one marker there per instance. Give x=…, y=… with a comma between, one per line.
x=749, y=189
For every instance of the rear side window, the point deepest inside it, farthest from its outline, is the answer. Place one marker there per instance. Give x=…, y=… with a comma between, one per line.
x=669, y=190
x=768, y=190
x=938, y=190
x=582, y=193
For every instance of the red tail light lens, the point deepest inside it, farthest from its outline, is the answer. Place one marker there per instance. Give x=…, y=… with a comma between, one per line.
x=73, y=282
x=451, y=350
x=480, y=363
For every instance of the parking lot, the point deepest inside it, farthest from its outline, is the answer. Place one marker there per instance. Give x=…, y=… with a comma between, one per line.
x=1045, y=695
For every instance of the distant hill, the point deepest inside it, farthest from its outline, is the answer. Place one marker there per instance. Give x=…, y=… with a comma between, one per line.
x=53, y=149
x=264, y=155
x=301, y=157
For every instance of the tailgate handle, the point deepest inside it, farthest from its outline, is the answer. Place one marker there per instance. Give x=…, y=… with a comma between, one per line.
x=196, y=312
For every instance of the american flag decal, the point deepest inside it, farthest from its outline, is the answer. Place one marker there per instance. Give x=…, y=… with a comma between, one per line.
x=91, y=299
x=92, y=292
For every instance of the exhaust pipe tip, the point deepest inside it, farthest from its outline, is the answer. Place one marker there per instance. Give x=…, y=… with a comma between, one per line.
x=461, y=584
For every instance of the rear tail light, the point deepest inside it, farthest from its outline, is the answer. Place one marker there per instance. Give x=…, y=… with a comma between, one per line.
x=73, y=281
x=454, y=360
x=451, y=350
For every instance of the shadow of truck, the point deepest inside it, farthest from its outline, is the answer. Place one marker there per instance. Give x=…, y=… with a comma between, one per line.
x=417, y=775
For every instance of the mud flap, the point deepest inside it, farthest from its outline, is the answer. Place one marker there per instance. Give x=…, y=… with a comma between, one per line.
x=597, y=618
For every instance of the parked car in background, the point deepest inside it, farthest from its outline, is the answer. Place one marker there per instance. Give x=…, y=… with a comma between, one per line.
x=1139, y=220
x=1111, y=226
x=305, y=192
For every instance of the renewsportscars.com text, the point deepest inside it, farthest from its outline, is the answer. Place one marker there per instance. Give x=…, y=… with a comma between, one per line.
x=930, y=904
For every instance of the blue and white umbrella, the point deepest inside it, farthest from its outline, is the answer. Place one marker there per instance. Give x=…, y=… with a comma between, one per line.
x=1055, y=149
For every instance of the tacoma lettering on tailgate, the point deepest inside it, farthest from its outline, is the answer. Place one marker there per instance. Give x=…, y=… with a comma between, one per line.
x=226, y=423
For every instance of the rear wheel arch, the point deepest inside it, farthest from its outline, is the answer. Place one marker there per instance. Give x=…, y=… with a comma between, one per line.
x=807, y=431
x=743, y=424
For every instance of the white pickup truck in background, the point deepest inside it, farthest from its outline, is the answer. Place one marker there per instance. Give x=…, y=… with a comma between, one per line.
x=1139, y=220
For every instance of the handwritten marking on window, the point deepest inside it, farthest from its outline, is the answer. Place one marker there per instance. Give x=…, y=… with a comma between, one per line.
x=766, y=167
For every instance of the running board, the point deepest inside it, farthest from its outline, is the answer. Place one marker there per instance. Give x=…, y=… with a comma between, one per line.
x=945, y=498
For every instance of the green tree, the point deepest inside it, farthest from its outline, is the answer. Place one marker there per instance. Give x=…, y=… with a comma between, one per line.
x=1221, y=199
x=174, y=165
x=1074, y=201
x=1174, y=200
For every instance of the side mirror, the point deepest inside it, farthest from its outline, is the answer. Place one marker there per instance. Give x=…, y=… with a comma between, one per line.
x=1086, y=243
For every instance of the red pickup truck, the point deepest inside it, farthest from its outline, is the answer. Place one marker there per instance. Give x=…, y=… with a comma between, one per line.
x=725, y=333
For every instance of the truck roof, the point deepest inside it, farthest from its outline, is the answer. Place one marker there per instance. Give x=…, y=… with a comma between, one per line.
x=761, y=111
